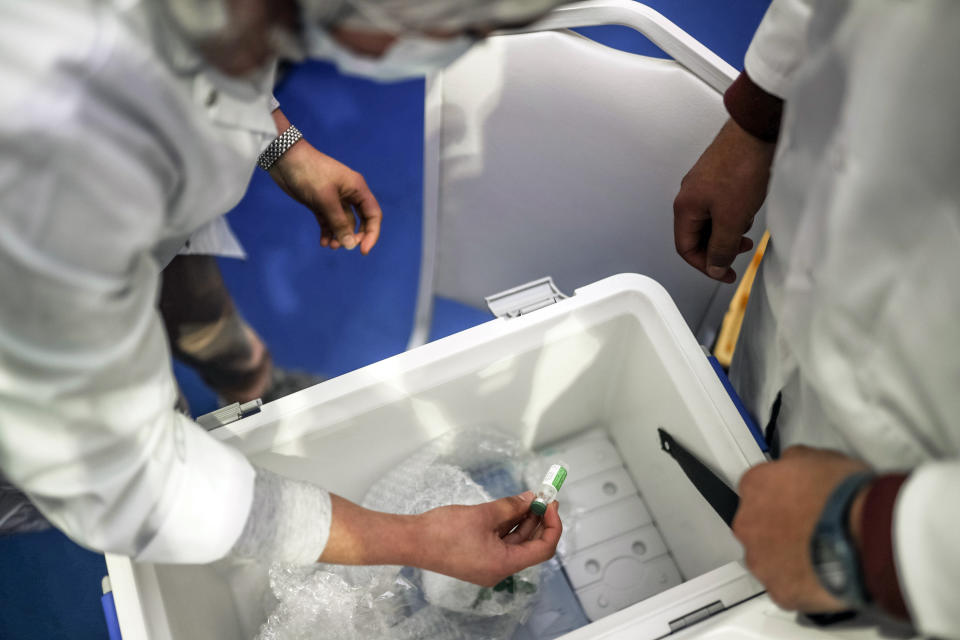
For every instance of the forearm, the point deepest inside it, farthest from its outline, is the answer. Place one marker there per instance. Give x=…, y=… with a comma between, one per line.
x=300, y=523
x=365, y=537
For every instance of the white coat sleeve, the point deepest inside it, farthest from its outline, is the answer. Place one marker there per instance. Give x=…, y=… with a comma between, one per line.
x=86, y=390
x=87, y=426
x=778, y=45
x=925, y=534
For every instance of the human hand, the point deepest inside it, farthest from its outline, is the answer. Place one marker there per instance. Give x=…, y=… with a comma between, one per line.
x=780, y=504
x=337, y=195
x=718, y=199
x=484, y=544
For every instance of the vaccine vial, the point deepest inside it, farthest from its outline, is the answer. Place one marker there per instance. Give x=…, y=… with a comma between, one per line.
x=548, y=488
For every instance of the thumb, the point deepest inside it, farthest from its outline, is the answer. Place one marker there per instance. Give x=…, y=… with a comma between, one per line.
x=366, y=205
x=722, y=248
x=340, y=222
x=509, y=511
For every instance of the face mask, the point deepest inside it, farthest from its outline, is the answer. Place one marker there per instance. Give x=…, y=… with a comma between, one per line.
x=411, y=56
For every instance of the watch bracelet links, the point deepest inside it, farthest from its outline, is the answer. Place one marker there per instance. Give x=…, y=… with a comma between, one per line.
x=278, y=147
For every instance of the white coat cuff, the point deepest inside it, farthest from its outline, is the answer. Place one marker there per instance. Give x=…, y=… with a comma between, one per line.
x=926, y=521
x=289, y=521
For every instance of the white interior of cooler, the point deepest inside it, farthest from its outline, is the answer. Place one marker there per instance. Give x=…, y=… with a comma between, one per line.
x=592, y=369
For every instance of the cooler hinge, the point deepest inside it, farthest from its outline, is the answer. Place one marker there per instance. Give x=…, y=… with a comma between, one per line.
x=696, y=616
x=524, y=299
x=230, y=413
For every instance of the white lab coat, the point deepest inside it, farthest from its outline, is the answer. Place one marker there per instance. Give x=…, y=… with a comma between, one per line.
x=855, y=315
x=116, y=143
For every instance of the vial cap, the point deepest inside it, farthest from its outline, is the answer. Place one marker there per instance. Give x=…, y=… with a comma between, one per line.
x=538, y=507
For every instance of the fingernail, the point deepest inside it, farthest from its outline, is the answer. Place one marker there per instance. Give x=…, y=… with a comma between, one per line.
x=349, y=242
x=716, y=272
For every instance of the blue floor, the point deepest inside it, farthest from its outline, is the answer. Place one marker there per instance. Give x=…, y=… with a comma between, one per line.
x=318, y=310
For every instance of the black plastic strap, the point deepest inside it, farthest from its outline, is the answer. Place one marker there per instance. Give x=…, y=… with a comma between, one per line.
x=715, y=491
x=771, y=433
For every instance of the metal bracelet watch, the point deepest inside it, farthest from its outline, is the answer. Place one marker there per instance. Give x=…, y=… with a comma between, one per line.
x=278, y=147
x=832, y=549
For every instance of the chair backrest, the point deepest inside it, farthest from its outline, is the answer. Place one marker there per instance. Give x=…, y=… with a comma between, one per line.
x=547, y=153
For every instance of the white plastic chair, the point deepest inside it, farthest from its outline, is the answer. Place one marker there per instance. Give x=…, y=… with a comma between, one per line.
x=549, y=154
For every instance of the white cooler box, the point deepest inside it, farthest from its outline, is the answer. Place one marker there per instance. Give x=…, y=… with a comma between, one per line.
x=617, y=357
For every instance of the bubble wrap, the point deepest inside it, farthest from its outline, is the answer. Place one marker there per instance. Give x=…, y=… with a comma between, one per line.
x=332, y=603
x=362, y=603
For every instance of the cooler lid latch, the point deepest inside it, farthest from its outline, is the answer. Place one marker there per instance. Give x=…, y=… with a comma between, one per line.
x=230, y=413
x=696, y=616
x=525, y=298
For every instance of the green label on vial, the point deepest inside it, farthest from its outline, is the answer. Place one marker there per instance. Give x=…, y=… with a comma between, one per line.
x=559, y=478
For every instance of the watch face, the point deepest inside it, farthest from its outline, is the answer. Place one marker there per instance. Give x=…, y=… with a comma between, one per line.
x=829, y=567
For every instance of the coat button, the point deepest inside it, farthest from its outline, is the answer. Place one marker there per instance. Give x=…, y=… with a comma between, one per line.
x=211, y=98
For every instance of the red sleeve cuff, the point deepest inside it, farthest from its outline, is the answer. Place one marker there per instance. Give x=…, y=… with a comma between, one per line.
x=876, y=525
x=756, y=111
